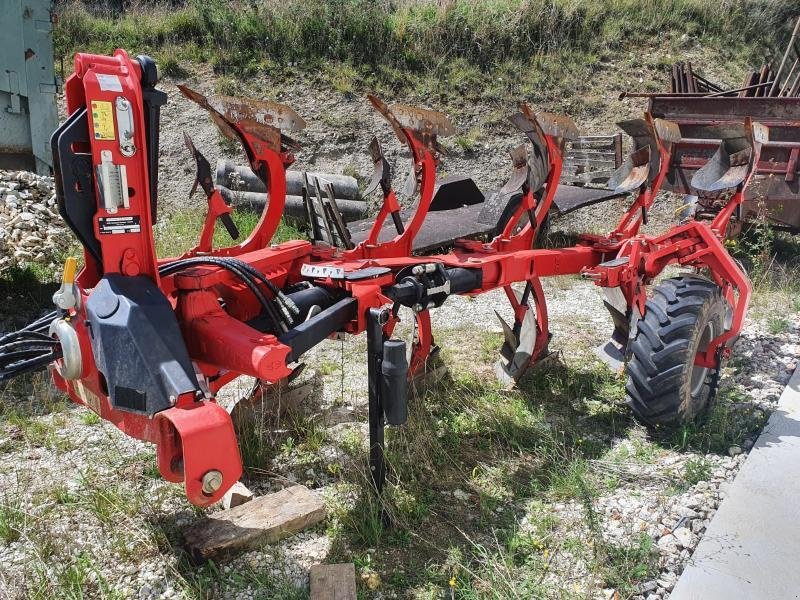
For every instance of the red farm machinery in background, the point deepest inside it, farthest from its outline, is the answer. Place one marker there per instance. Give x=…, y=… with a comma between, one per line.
x=147, y=342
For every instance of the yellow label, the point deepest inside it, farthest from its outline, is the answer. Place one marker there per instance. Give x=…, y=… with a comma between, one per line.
x=103, y=120
x=89, y=398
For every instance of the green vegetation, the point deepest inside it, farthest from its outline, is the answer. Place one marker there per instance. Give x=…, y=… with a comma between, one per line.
x=695, y=471
x=473, y=454
x=179, y=231
x=459, y=50
x=12, y=519
x=731, y=420
x=772, y=260
x=405, y=35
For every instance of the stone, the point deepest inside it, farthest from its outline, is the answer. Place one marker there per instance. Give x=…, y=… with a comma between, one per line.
x=668, y=544
x=734, y=451
x=667, y=580
x=461, y=495
x=648, y=586
x=684, y=537
x=237, y=495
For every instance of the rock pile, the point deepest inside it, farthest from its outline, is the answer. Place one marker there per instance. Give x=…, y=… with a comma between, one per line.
x=31, y=230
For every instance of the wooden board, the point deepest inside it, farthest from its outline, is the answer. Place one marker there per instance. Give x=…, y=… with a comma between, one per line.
x=333, y=582
x=263, y=520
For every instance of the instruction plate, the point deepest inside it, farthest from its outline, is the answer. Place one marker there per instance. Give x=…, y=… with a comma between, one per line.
x=109, y=225
x=322, y=271
x=103, y=120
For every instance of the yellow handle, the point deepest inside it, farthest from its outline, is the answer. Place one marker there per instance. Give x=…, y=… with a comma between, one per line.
x=70, y=270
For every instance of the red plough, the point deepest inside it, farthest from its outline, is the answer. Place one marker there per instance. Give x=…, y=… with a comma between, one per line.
x=148, y=342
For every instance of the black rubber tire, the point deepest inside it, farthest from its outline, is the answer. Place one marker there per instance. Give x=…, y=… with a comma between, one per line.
x=662, y=385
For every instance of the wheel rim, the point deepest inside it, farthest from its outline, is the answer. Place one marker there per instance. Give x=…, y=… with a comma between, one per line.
x=699, y=374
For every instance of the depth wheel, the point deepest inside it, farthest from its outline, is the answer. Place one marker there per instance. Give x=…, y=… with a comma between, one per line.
x=664, y=386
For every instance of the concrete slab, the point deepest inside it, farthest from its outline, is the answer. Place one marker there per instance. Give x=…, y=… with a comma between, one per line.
x=752, y=544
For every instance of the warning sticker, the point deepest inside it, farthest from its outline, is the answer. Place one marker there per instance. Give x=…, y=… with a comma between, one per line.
x=103, y=120
x=109, y=83
x=89, y=398
x=119, y=224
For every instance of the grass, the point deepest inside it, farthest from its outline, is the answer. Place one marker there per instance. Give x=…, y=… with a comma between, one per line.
x=77, y=579
x=499, y=449
x=179, y=231
x=411, y=35
x=731, y=420
x=696, y=470
x=13, y=519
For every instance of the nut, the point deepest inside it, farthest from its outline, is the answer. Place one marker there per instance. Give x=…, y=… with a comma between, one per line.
x=212, y=481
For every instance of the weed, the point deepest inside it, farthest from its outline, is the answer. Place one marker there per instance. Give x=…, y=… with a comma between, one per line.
x=90, y=417
x=328, y=367
x=107, y=502
x=696, y=470
x=468, y=142
x=625, y=566
x=474, y=36
x=74, y=580
x=180, y=231
x=731, y=419
x=13, y=519
x=778, y=324
x=61, y=494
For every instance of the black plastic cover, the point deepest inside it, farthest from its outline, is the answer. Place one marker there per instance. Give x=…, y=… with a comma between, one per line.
x=454, y=192
x=153, y=100
x=138, y=345
x=74, y=179
x=394, y=370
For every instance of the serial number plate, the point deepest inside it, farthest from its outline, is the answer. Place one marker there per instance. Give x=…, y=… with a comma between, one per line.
x=322, y=271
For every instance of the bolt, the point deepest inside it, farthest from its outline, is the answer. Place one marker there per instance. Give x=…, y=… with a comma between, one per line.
x=212, y=481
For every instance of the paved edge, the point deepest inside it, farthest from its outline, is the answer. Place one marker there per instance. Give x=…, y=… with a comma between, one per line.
x=752, y=544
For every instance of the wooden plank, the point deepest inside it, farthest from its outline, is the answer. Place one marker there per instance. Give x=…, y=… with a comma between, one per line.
x=617, y=150
x=593, y=177
x=589, y=162
x=606, y=143
x=333, y=582
x=263, y=520
x=608, y=155
x=238, y=494
x=276, y=400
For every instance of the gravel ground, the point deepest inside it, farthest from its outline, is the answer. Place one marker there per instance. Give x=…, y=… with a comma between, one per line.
x=31, y=230
x=87, y=490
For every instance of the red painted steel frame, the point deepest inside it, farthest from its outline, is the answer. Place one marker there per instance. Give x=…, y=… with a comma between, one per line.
x=195, y=436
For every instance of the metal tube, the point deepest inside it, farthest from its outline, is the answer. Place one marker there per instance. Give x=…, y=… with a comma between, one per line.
x=788, y=77
x=785, y=56
x=351, y=210
x=344, y=186
x=744, y=89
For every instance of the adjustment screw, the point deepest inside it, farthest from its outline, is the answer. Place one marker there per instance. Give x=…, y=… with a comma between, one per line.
x=212, y=481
